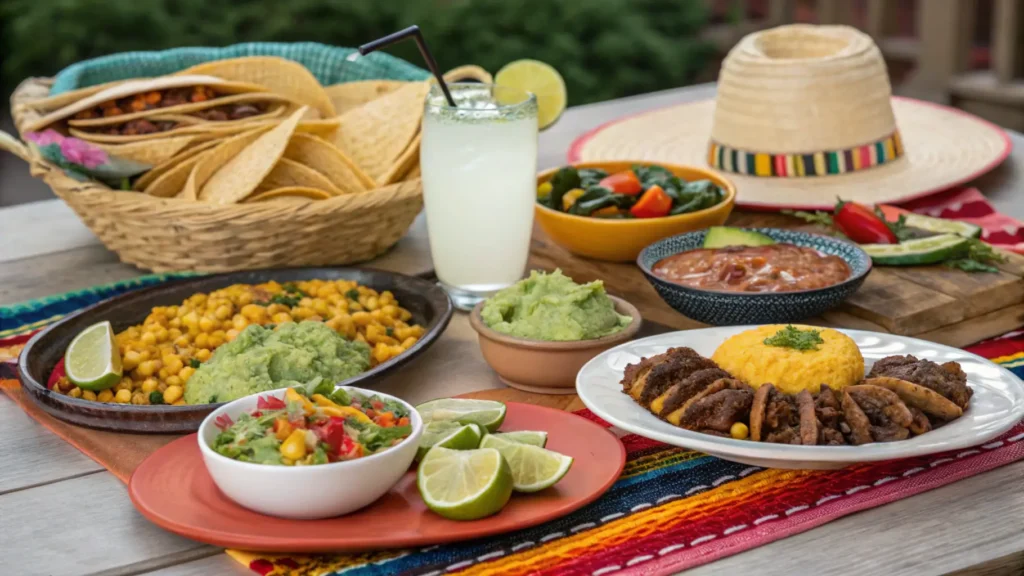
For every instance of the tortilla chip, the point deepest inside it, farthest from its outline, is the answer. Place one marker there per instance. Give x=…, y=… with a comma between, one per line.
x=328, y=160
x=289, y=173
x=240, y=175
x=409, y=158
x=290, y=192
x=150, y=152
x=349, y=95
x=413, y=174
x=174, y=180
x=274, y=101
x=279, y=75
x=133, y=87
x=376, y=134
x=150, y=176
x=216, y=158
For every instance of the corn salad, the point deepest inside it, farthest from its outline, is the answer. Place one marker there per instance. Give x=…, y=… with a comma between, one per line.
x=160, y=355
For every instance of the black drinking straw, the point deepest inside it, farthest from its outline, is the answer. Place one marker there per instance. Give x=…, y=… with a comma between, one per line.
x=413, y=31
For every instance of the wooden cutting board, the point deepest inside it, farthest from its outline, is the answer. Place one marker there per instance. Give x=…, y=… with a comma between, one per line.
x=930, y=302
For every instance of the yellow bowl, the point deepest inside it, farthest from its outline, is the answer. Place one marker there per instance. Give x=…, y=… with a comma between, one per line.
x=622, y=240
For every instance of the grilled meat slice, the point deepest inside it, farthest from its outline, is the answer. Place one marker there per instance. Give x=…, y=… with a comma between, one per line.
x=947, y=379
x=719, y=411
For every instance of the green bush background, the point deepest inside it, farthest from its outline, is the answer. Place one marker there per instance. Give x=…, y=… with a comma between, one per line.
x=604, y=48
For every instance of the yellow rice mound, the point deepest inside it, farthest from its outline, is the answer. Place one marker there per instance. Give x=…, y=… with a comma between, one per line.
x=837, y=362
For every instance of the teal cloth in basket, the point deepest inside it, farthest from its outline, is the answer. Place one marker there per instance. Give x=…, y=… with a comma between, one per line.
x=327, y=63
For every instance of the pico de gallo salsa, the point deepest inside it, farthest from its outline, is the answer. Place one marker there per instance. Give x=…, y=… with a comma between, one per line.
x=311, y=427
x=650, y=191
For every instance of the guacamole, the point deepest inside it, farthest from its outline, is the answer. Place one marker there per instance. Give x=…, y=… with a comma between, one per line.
x=262, y=359
x=553, y=307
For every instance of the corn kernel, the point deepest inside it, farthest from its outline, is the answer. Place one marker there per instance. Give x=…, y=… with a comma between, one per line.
x=149, y=385
x=89, y=395
x=206, y=324
x=203, y=354
x=147, y=368
x=123, y=397
x=172, y=394
x=105, y=396
x=186, y=373
x=75, y=392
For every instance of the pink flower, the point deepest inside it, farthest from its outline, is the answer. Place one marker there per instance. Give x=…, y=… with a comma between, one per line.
x=80, y=152
x=45, y=138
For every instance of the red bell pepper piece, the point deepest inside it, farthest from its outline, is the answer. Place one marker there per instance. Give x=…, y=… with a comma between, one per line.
x=332, y=433
x=625, y=182
x=270, y=403
x=653, y=204
x=861, y=225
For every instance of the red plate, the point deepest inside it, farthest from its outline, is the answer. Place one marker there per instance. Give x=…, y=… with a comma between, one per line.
x=173, y=490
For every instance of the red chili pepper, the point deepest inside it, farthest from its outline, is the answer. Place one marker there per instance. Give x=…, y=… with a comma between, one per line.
x=861, y=225
x=622, y=183
x=653, y=204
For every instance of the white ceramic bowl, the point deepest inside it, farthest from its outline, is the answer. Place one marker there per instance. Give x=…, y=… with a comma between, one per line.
x=307, y=492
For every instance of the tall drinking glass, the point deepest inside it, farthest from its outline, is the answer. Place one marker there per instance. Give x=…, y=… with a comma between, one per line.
x=479, y=166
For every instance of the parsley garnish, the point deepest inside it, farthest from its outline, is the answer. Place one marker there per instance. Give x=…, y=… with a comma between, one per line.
x=156, y=397
x=286, y=300
x=978, y=258
x=292, y=288
x=390, y=331
x=793, y=337
x=194, y=362
x=352, y=294
x=820, y=218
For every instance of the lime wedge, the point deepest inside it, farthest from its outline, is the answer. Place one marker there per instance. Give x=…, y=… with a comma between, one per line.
x=449, y=434
x=543, y=81
x=486, y=413
x=92, y=360
x=532, y=437
x=533, y=467
x=464, y=484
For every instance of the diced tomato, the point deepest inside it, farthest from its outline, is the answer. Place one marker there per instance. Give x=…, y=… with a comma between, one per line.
x=653, y=204
x=371, y=414
x=270, y=403
x=257, y=414
x=332, y=433
x=403, y=421
x=377, y=405
x=624, y=182
x=385, y=419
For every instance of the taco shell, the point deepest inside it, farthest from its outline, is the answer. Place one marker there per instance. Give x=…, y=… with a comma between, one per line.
x=158, y=170
x=152, y=152
x=274, y=101
x=349, y=95
x=132, y=87
x=289, y=173
x=376, y=134
x=328, y=160
x=239, y=176
x=289, y=193
x=280, y=75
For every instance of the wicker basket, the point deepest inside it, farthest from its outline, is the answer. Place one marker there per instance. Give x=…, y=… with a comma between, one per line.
x=170, y=234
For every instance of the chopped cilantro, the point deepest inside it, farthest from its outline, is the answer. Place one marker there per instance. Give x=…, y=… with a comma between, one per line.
x=286, y=300
x=156, y=397
x=291, y=288
x=389, y=331
x=793, y=337
x=194, y=362
x=352, y=294
x=212, y=400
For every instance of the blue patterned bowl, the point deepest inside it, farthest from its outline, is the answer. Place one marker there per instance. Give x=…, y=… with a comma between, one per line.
x=732, y=308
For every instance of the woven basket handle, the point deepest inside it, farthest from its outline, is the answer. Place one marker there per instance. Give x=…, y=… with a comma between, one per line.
x=14, y=146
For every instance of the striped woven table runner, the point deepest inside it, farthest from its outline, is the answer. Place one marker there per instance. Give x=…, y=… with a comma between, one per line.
x=672, y=508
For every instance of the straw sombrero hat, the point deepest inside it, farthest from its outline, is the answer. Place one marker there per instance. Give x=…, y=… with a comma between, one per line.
x=805, y=114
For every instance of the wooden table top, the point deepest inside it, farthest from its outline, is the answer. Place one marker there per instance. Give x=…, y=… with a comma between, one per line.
x=63, y=514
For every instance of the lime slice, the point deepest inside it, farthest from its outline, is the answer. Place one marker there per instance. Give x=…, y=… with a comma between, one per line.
x=913, y=252
x=486, y=413
x=464, y=484
x=449, y=434
x=531, y=437
x=543, y=81
x=92, y=361
x=942, y=226
x=533, y=467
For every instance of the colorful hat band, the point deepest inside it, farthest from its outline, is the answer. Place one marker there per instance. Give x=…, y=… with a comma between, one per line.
x=802, y=165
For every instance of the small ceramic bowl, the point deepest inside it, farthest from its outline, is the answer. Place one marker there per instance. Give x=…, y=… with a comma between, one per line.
x=622, y=240
x=306, y=492
x=541, y=366
x=732, y=308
